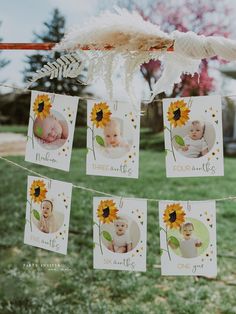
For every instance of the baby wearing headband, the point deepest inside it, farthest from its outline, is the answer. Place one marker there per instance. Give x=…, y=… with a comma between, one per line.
x=121, y=242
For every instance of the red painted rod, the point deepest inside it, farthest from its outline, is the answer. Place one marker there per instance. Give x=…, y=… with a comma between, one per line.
x=49, y=46
x=26, y=46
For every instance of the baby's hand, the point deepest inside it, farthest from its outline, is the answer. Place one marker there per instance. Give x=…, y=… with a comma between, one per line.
x=43, y=229
x=126, y=145
x=65, y=131
x=204, y=152
x=185, y=148
x=198, y=244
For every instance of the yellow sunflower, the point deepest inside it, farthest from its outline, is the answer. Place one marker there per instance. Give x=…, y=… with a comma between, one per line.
x=42, y=106
x=100, y=114
x=107, y=211
x=174, y=216
x=178, y=113
x=38, y=191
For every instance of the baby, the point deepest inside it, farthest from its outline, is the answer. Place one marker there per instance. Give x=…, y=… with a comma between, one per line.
x=47, y=223
x=113, y=136
x=188, y=245
x=121, y=242
x=50, y=129
x=195, y=144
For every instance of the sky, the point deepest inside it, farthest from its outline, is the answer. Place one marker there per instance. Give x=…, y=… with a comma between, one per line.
x=20, y=18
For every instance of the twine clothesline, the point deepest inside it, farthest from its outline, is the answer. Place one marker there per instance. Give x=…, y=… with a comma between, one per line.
x=101, y=192
x=109, y=195
x=79, y=97
x=146, y=101
x=86, y=188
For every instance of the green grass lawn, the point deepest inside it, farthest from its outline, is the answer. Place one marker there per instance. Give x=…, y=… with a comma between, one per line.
x=84, y=290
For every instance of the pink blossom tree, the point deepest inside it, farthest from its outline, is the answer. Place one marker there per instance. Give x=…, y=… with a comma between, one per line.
x=207, y=17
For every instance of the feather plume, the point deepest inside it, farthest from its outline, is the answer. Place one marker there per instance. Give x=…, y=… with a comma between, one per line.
x=122, y=30
x=121, y=38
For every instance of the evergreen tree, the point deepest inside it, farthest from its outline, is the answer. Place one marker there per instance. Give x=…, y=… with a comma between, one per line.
x=3, y=61
x=54, y=32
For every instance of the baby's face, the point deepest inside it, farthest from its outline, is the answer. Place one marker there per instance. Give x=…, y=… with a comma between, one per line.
x=112, y=136
x=120, y=227
x=196, y=131
x=187, y=232
x=51, y=129
x=46, y=209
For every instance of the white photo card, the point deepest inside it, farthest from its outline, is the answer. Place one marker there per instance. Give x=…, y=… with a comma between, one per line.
x=48, y=214
x=193, y=136
x=112, y=139
x=188, y=238
x=51, y=129
x=119, y=233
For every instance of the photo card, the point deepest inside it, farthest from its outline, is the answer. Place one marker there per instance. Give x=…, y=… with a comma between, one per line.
x=193, y=136
x=51, y=129
x=112, y=139
x=188, y=238
x=119, y=233
x=48, y=214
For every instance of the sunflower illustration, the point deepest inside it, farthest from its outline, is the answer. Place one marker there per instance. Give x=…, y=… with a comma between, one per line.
x=42, y=106
x=107, y=211
x=178, y=113
x=174, y=216
x=38, y=191
x=100, y=114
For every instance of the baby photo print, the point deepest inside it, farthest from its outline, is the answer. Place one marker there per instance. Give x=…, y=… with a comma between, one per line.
x=193, y=136
x=51, y=129
x=112, y=139
x=119, y=233
x=48, y=214
x=188, y=238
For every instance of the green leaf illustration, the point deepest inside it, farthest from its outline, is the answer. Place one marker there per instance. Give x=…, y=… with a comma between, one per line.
x=100, y=140
x=179, y=140
x=36, y=214
x=161, y=252
x=39, y=131
x=107, y=236
x=94, y=244
x=174, y=241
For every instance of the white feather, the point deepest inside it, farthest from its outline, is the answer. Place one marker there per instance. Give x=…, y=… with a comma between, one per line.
x=122, y=30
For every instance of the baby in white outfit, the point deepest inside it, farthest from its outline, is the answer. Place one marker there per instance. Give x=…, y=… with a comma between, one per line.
x=121, y=242
x=195, y=144
x=188, y=245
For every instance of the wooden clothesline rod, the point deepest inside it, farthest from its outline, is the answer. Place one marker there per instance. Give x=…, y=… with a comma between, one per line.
x=49, y=46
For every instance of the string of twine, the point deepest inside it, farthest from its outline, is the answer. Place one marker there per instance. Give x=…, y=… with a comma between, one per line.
x=86, y=188
x=96, y=98
x=101, y=192
x=110, y=195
